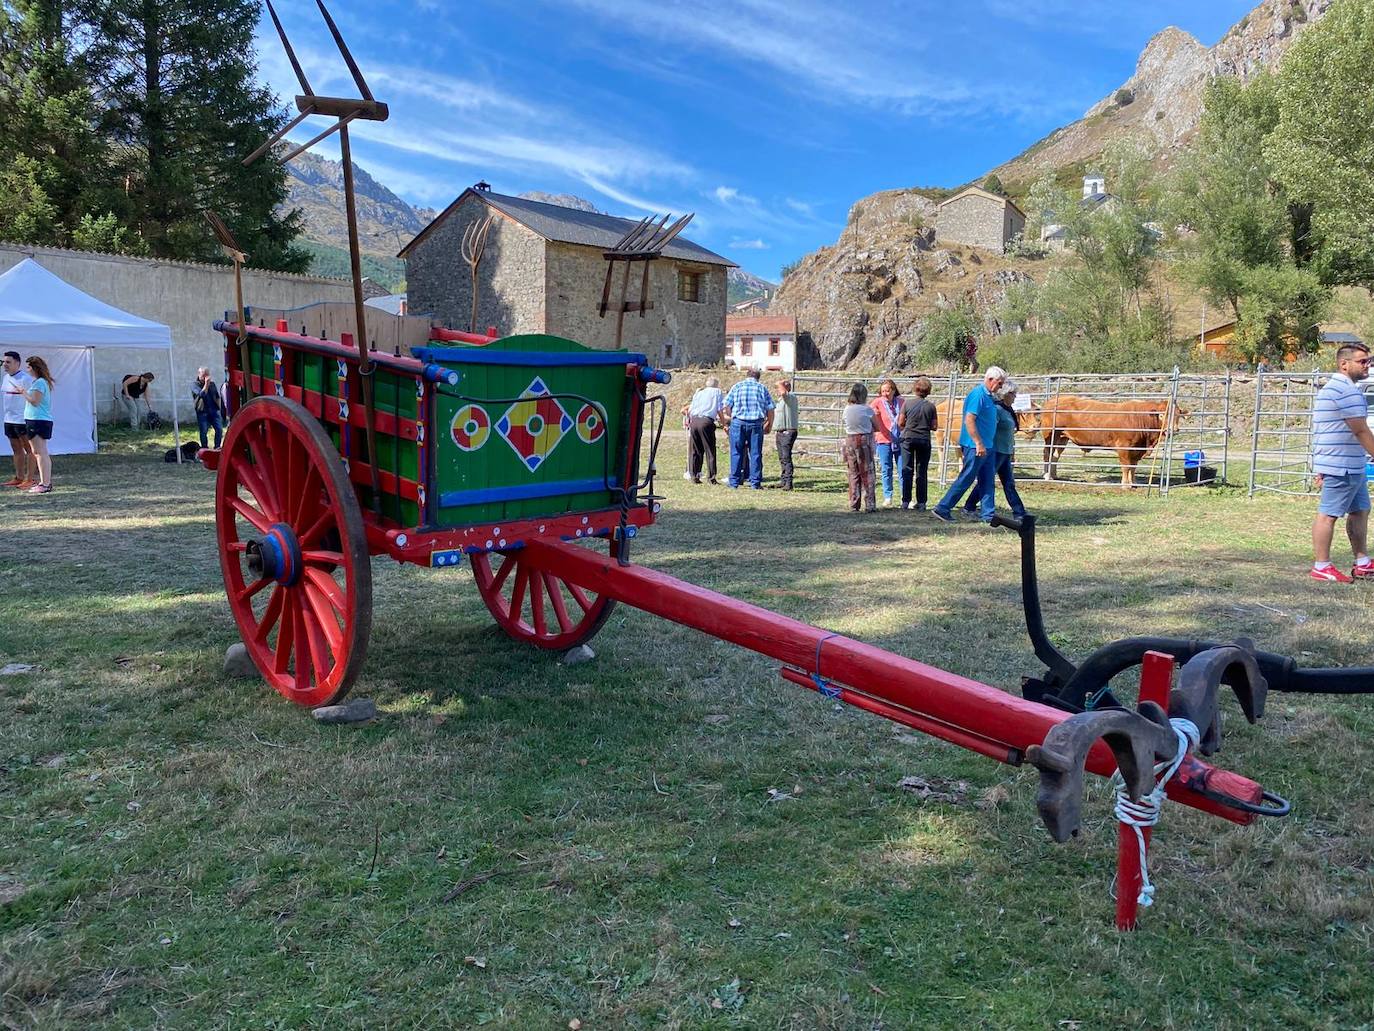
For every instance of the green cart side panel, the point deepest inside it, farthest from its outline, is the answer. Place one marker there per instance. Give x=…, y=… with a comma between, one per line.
x=493, y=436
x=393, y=393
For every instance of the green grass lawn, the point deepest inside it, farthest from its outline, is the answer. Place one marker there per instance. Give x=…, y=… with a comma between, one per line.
x=524, y=844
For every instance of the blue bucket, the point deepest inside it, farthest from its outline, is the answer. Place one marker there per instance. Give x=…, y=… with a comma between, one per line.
x=1193, y=459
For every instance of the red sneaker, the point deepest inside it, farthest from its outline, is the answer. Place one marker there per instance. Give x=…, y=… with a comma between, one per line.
x=13, y=481
x=1330, y=573
x=1363, y=572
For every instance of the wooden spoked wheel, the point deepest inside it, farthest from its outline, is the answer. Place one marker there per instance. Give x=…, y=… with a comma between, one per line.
x=293, y=551
x=533, y=605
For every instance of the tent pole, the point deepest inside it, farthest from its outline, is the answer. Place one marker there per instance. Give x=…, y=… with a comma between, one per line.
x=176, y=423
x=95, y=403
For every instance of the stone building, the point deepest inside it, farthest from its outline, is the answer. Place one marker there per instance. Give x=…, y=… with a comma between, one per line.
x=543, y=271
x=978, y=218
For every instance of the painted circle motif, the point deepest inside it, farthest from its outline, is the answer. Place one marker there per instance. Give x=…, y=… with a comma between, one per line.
x=591, y=424
x=470, y=427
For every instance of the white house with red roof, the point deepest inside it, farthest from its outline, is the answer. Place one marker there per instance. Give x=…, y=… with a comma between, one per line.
x=767, y=342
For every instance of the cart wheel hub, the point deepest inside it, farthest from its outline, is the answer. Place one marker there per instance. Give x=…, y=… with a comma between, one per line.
x=276, y=555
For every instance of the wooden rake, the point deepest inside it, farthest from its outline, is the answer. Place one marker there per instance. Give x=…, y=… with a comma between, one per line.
x=474, y=245
x=643, y=243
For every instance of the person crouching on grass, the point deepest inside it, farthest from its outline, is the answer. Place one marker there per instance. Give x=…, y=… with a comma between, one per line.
x=1341, y=440
x=38, y=421
x=14, y=381
x=858, y=448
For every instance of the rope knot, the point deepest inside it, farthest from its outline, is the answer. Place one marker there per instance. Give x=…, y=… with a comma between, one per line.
x=1144, y=812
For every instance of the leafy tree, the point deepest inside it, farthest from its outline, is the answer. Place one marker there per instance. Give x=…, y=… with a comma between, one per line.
x=947, y=335
x=185, y=110
x=1242, y=249
x=54, y=164
x=993, y=184
x=1322, y=146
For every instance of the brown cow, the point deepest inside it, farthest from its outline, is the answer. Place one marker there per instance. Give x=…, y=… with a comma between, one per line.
x=1130, y=428
x=1027, y=423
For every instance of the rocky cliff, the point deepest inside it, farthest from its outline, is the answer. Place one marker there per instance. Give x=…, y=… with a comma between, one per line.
x=865, y=299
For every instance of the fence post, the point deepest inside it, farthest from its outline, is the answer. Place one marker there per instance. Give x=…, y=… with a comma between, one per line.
x=1225, y=426
x=1045, y=457
x=1170, y=414
x=949, y=425
x=1254, y=439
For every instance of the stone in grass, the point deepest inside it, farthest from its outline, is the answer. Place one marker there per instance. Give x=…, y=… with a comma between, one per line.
x=355, y=710
x=13, y=669
x=237, y=661
x=574, y=656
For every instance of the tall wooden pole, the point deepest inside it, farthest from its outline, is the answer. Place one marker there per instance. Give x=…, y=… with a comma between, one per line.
x=364, y=362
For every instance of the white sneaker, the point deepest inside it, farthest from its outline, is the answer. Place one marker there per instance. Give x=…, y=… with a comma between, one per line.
x=686, y=476
x=887, y=502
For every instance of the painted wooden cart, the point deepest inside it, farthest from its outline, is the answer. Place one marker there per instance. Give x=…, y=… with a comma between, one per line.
x=478, y=449
x=511, y=456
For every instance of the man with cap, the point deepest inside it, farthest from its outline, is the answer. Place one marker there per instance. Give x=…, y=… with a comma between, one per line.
x=977, y=438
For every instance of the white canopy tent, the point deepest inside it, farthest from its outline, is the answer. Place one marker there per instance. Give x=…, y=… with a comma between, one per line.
x=43, y=314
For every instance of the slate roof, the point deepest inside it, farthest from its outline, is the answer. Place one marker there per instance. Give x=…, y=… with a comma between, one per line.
x=1096, y=200
x=569, y=225
x=390, y=303
x=1340, y=338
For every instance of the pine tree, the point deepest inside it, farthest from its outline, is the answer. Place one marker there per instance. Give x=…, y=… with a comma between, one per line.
x=178, y=77
x=54, y=166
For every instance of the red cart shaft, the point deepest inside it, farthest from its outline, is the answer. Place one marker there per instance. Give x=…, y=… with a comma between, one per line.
x=1003, y=724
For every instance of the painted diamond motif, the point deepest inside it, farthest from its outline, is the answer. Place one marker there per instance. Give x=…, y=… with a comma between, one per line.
x=534, y=425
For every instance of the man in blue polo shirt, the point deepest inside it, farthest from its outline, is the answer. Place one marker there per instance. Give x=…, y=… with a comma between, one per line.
x=749, y=408
x=976, y=439
x=1341, y=440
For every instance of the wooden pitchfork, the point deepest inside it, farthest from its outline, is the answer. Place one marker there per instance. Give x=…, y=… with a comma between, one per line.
x=643, y=243
x=474, y=245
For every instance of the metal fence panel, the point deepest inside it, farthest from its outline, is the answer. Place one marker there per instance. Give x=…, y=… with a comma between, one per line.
x=1281, y=432
x=1269, y=416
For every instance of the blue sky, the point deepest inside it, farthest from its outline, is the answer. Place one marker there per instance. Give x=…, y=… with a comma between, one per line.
x=768, y=118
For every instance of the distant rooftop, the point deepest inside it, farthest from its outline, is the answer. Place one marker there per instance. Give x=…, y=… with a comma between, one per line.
x=570, y=225
x=760, y=324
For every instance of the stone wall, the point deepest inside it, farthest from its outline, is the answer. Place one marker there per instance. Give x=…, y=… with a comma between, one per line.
x=186, y=296
x=510, y=277
x=695, y=329
x=1013, y=225
x=974, y=220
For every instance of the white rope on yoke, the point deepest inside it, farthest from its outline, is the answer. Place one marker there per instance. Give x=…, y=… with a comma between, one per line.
x=1145, y=813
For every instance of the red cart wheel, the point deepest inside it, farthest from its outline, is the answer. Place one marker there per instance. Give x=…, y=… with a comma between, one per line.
x=293, y=551
x=536, y=606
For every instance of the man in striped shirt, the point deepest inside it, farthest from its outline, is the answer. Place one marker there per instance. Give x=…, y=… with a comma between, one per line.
x=1341, y=440
x=749, y=407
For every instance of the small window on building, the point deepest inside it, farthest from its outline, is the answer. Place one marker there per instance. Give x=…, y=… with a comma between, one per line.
x=667, y=352
x=746, y=346
x=774, y=347
x=688, y=286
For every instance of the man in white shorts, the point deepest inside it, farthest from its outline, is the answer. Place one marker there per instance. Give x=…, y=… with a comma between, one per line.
x=13, y=382
x=1341, y=440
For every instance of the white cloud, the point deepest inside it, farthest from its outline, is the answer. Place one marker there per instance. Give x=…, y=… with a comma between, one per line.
x=800, y=206
x=725, y=194
x=749, y=245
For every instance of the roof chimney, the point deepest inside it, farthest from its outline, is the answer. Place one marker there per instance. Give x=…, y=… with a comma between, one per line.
x=1094, y=184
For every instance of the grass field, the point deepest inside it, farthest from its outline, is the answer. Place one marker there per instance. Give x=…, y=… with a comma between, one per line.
x=669, y=836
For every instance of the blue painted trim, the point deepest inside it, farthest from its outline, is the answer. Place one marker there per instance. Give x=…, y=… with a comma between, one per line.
x=543, y=359
x=484, y=495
